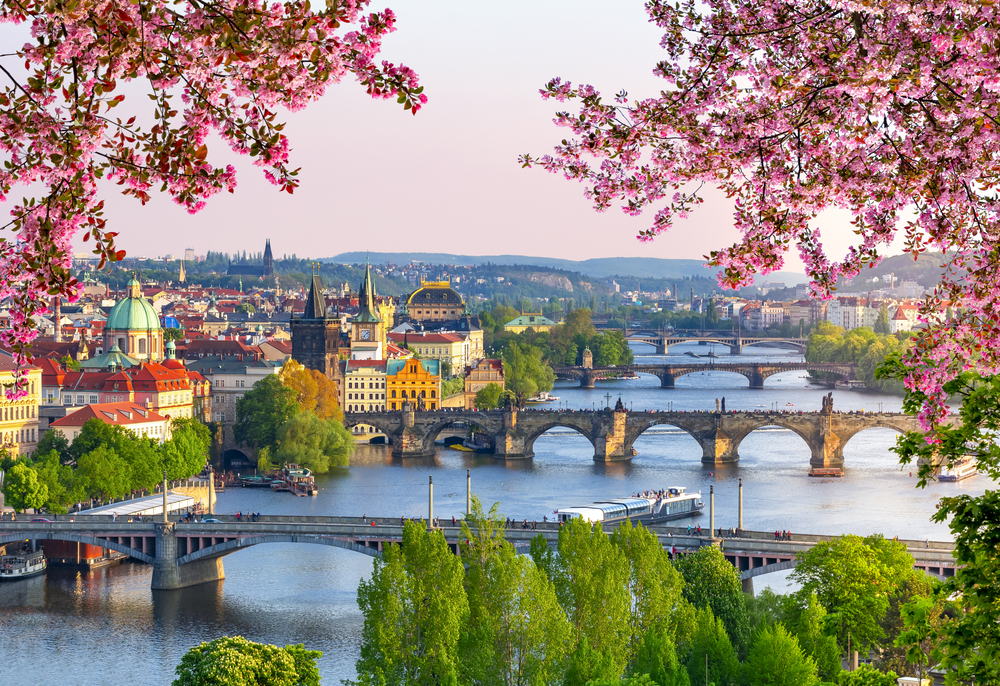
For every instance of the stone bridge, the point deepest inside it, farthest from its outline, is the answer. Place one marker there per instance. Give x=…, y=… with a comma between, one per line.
x=662, y=340
x=185, y=554
x=513, y=433
x=755, y=372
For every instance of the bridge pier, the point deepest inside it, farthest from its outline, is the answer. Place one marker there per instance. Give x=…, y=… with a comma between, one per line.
x=587, y=379
x=756, y=378
x=667, y=381
x=168, y=575
x=717, y=447
x=612, y=446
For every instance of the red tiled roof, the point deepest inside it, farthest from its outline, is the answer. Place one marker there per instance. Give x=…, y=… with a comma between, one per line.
x=120, y=414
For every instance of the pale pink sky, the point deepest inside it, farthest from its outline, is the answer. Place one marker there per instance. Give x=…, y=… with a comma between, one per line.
x=376, y=178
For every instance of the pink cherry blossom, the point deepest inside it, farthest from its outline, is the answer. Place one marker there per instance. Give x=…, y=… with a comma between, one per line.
x=217, y=65
x=889, y=110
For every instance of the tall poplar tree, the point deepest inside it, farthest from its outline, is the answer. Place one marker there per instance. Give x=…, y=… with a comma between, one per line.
x=414, y=607
x=517, y=633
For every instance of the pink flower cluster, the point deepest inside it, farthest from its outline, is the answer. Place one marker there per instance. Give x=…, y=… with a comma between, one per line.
x=209, y=65
x=889, y=110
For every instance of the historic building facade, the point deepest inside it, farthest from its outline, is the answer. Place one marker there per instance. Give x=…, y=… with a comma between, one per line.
x=435, y=301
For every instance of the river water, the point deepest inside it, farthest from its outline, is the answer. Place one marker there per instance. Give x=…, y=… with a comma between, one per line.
x=108, y=627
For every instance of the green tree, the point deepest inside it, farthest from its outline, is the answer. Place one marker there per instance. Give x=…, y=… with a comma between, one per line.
x=854, y=579
x=93, y=434
x=966, y=642
x=776, y=659
x=711, y=315
x=315, y=443
x=822, y=648
x=22, y=490
x=264, y=463
x=710, y=581
x=235, y=661
x=172, y=333
x=187, y=450
x=57, y=441
x=588, y=665
x=517, y=634
x=452, y=386
x=261, y=412
x=56, y=478
x=711, y=641
x=657, y=657
x=414, y=606
x=592, y=580
x=526, y=374
x=866, y=675
x=103, y=473
x=489, y=397
x=882, y=321
x=655, y=588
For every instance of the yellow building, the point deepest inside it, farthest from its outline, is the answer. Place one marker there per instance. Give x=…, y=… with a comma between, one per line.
x=435, y=301
x=443, y=347
x=19, y=418
x=480, y=375
x=415, y=381
x=529, y=320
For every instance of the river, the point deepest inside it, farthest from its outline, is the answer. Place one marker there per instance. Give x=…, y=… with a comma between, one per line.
x=108, y=627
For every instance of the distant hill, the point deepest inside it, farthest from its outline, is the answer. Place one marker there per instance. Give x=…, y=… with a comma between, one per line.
x=601, y=267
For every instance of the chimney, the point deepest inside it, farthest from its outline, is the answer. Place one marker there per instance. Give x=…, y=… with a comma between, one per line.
x=58, y=309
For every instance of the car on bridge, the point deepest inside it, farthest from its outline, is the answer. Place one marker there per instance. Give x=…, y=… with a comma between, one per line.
x=211, y=520
x=41, y=519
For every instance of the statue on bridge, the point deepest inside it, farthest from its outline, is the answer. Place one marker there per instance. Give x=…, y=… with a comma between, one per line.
x=827, y=403
x=723, y=404
x=619, y=406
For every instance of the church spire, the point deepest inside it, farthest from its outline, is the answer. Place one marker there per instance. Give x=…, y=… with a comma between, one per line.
x=316, y=303
x=366, y=299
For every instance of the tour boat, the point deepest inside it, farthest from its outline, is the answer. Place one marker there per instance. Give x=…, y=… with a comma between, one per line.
x=674, y=503
x=542, y=397
x=962, y=469
x=826, y=471
x=627, y=376
x=21, y=565
x=279, y=485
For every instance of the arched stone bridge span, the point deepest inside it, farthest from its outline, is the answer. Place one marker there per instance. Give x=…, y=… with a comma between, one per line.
x=185, y=554
x=612, y=434
x=662, y=340
x=755, y=372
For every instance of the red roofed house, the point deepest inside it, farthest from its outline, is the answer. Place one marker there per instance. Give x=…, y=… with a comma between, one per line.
x=140, y=420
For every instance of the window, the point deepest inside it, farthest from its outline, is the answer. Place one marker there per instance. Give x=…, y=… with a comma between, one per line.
x=93, y=399
x=79, y=400
x=142, y=346
x=393, y=405
x=433, y=394
x=223, y=416
x=393, y=395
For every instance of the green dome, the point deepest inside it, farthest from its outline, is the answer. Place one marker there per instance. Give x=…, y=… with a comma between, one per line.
x=133, y=313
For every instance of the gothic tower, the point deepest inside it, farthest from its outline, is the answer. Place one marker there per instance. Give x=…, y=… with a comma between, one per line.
x=316, y=335
x=268, y=270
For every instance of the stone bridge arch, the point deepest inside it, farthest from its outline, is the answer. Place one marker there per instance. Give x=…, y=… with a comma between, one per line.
x=352, y=419
x=476, y=419
x=234, y=545
x=77, y=538
x=583, y=427
x=633, y=434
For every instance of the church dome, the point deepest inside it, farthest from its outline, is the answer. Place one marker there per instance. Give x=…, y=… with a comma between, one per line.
x=132, y=313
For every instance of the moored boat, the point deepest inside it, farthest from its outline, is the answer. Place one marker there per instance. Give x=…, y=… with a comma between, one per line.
x=22, y=565
x=255, y=481
x=826, y=471
x=648, y=508
x=299, y=480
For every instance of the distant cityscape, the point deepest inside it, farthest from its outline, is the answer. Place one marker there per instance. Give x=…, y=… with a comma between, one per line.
x=152, y=349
